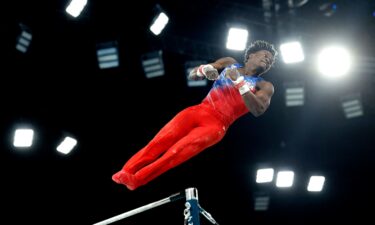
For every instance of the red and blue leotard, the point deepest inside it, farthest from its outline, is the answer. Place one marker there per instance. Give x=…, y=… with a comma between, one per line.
x=191, y=131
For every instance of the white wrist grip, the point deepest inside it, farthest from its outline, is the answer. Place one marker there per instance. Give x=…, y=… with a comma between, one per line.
x=244, y=89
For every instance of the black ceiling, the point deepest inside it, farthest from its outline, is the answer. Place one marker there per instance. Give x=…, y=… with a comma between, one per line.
x=58, y=88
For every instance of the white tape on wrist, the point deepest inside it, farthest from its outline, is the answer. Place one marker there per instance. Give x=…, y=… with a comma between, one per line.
x=200, y=72
x=244, y=89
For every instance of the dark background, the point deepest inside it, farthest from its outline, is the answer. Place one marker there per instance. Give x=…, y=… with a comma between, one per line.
x=58, y=89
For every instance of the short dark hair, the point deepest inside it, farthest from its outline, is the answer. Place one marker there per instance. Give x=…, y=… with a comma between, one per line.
x=259, y=45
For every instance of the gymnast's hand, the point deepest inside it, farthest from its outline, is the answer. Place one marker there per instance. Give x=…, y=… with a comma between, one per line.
x=208, y=71
x=232, y=73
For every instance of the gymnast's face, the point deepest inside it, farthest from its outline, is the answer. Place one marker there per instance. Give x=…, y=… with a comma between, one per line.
x=260, y=62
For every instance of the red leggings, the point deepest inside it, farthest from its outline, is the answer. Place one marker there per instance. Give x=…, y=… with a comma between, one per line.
x=191, y=131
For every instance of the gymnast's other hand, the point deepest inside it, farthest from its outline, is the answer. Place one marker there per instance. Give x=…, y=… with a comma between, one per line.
x=208, y=71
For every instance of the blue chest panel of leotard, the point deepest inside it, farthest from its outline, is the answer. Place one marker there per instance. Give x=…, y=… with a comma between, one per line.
x=225, y=98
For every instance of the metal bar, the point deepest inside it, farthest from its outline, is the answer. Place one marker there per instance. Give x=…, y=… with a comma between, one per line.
x=171, y=198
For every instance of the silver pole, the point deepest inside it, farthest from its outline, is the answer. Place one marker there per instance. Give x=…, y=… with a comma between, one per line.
x=141, y=209
x=191, y=194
